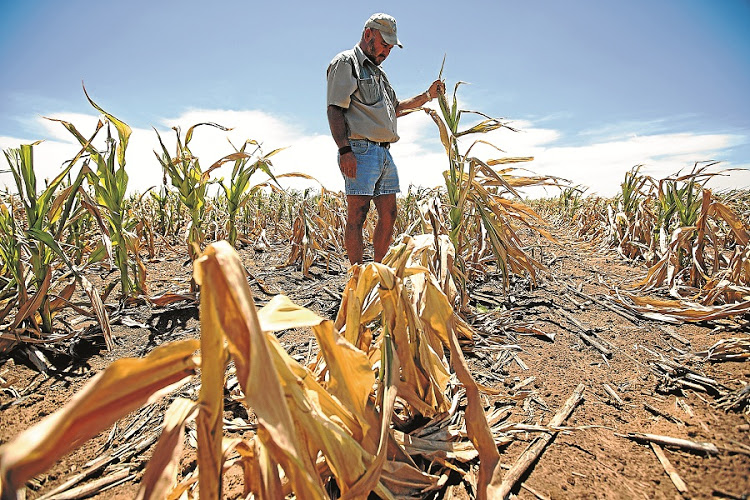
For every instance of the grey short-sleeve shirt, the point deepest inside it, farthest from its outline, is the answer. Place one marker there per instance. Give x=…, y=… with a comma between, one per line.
x=361, y=87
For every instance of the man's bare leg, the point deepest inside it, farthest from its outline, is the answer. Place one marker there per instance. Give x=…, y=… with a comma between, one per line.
x=386, y=207
x=356, y=213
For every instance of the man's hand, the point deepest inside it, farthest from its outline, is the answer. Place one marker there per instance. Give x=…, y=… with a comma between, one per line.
x=348, y=164
x=437, y=87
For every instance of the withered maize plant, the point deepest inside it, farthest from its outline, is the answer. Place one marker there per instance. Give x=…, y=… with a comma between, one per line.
x=375, y=412
x=483, y=205
x=694, y=244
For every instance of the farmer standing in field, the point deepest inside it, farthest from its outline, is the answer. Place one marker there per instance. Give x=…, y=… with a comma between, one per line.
x=362, y=112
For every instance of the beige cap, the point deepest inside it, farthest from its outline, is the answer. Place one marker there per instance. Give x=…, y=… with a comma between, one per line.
x=387, y=27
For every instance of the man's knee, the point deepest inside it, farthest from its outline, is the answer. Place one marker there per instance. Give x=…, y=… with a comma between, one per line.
x=357, y=213
x=386, y=208
x=388, y=213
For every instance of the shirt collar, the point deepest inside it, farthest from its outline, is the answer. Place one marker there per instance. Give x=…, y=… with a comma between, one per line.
x=363, y=59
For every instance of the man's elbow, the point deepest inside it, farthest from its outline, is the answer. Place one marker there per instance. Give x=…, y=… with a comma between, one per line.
x=336, y=109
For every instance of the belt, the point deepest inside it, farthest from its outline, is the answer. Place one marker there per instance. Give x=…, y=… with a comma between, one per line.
x=385, y=145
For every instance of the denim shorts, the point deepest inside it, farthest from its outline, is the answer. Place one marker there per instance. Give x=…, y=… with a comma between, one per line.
x=376, y=172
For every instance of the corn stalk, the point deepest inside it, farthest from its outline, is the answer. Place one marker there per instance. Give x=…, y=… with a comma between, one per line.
x=46, y=216
x=317, y=231
x=13, y=288
x=477, y=198
x=110, y=183
x=192, y=183
x=239, y=190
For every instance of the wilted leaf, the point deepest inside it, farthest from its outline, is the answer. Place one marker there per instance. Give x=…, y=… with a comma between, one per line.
x=161, y=471
x=124, y=386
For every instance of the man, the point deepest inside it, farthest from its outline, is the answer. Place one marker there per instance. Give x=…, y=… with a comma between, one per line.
x=362, y=112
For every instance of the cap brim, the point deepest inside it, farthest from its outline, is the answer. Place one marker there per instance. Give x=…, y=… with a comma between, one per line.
x=391, y=39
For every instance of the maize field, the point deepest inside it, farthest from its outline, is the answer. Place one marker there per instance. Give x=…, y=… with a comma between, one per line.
x=208, y=338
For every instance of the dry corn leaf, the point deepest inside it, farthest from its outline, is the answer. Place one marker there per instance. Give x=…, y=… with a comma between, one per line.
x=209, y=423
x=292, y=427
x=228, y=310
x=733, y=349
x=677, y=311
x=438, y=314
x=321, y=424
x=351, y=378
x=369, y=481
x=169, y=298
x=282, y=314
x=99, y=310
x=30, y=307
x=333, y=423
x=161, y=472
x=124, y=386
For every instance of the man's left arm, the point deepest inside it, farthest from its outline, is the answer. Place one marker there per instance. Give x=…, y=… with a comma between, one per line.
x=437, y=87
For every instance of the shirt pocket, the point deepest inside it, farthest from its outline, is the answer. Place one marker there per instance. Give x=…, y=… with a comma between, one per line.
x=369, y=90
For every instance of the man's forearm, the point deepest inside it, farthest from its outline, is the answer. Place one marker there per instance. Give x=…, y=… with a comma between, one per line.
x=412, y=102
x=337, y=124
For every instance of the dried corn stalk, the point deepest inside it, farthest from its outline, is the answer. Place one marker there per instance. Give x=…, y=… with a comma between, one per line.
x=694, y=267
x=342, y=420
x=318, y=235
x=734, y=349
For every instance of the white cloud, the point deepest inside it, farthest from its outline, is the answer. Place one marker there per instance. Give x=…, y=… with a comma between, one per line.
x=419, y=155
x=601, y=166
x=312, y=154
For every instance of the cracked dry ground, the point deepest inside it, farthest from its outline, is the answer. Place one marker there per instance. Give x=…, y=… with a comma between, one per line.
x=528, y=347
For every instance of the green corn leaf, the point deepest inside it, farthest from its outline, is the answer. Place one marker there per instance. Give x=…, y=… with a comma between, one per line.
x=99, y=254
x=86, y=144
x=121, y=184
x=71, y=200
x=123, y=130
x=27, y=170
x=50, y=242
x=265, y=167
x=45, y=199
x=466, y=185
x=13, y=156
x=455, y=113
x=443, y=106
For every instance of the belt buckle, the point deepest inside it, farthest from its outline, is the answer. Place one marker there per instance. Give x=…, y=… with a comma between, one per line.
x=385, y=145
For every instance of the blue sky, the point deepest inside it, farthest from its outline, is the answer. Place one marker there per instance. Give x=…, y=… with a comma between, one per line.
x=595, y=86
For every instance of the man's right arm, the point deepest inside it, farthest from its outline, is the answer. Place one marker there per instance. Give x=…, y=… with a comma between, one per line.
x=337, y=124
x=341, y=85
